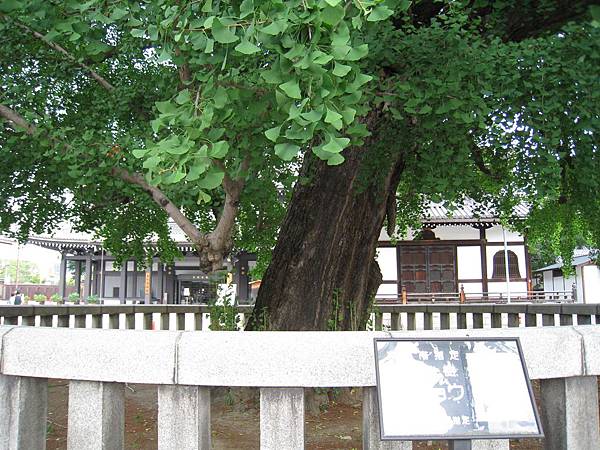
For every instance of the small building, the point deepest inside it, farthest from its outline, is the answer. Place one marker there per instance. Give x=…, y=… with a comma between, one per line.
x=583, y=285
x=463, y=249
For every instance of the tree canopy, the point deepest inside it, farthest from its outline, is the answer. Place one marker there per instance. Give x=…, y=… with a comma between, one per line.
x=119, y=115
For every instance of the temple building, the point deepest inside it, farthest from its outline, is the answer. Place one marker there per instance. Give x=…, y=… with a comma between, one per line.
x=456, y=251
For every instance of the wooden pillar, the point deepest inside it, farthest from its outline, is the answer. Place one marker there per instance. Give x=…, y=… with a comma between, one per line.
x=160, y=282
x=134, y=286
x=484, y=274
x=87, y=287
x=62, y=277
x=77, y=277
x=123, y=283
x=95, y=283
x=148, y=284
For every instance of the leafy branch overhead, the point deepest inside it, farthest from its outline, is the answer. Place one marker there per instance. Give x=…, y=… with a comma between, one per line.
x=213, y=105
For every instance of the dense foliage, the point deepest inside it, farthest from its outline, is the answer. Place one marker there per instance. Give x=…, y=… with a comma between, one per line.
x=216, y=102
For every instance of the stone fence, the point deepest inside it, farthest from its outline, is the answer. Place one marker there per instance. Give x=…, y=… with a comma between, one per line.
x=185, y=365
x=386, y=316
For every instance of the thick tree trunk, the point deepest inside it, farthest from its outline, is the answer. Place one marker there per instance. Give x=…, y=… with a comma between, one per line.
x=323, y=274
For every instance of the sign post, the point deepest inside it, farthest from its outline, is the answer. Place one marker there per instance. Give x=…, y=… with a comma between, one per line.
x=454, y=389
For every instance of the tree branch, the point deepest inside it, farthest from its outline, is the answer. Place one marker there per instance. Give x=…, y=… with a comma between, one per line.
x=233, y=188
x=163, y=201
x=17, y=120
x=105, y=84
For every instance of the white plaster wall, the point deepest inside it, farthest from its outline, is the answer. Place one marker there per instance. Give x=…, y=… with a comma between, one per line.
x=579, y=278
x=494, y=234
x=468, y=262
x=591, y=277
x=519, y=251
x=386, y=257
x=559, y=284
x=471, y=288
x=516, y=287
x=387, y=290
x=548, y=281
x=456, y=232
x=111, y=280
x=190, y=261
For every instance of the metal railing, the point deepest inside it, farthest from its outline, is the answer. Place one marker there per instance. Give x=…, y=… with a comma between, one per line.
x=480, y=297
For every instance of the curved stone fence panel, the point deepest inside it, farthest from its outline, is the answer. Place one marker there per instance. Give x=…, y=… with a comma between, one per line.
x=185, y=365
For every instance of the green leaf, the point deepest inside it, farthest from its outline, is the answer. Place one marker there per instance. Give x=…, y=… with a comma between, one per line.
x=174, y=177
x=138, y=33
x=222, y=33
x=140, y=152
x=321, y=58
x=166, y=107
x=196, y=170
x=286, y=151
x=183, y=97
x=380, y=12
x=332, y=15
x=335, y=144
x=207, y=7
x=203, y=197
x=333, y=2
x=151, y=163
x=358, y=52
x=10, y=5
x=291, y=89
x=219, y=149
x=312, y=116
x=349, y=114
x=335, y=160
x=164, y=56
x=273, y=133
x=247, y=48
x=210, y=46
x=246, y=8
x=272, y=29
x=332, y=116
x=341, y=70
x=118, y=13
x=220, y=98
x=211, y=180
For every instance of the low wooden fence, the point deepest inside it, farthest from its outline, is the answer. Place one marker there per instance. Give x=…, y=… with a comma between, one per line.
x=391, y=317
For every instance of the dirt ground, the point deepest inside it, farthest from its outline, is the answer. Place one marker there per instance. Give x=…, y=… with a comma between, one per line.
x=235, y=422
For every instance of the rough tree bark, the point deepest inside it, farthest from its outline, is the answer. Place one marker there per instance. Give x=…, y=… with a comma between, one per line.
x=323, y=274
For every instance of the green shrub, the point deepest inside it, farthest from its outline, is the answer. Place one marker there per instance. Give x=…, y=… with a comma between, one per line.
x=56, y=298
x=39, y=298
x=93, y=299
x=73, y=297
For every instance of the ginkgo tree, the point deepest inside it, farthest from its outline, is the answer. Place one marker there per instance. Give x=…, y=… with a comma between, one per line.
x=120, y=115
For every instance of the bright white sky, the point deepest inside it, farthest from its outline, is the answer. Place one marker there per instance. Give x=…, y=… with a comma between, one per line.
x=46, y=260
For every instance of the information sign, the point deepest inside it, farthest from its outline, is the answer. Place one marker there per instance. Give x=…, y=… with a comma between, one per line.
x=444, y=389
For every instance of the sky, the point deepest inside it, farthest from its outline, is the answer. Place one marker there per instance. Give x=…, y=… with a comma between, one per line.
x=47, y=260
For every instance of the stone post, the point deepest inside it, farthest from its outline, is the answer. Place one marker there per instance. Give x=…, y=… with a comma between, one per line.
x=183, y=417
x=282, y=418
x=96, y=416
x=570, y=413
x=371, y=434
x=23, y=409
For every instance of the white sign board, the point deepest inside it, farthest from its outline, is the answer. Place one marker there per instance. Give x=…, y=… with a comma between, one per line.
x=454, y=389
